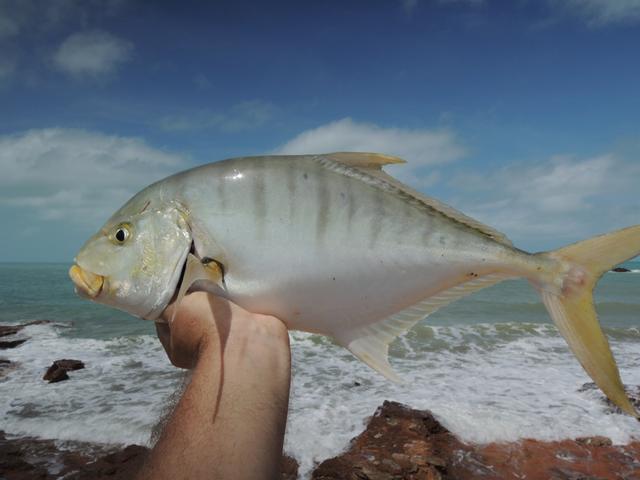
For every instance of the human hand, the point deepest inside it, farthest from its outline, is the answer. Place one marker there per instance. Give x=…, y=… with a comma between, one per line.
x=236, y=400
x=204, y=323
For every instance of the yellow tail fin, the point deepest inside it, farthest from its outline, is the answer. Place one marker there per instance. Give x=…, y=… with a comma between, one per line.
x=569, y=300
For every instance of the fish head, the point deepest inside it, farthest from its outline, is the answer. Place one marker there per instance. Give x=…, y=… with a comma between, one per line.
x=135, y=261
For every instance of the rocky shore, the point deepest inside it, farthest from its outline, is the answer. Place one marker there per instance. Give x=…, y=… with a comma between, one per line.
x=398, y=443
x=402, y=443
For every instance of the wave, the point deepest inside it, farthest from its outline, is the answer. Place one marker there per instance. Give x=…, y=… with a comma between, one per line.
x=486, y=382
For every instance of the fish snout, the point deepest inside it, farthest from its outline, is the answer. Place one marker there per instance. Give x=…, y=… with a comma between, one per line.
x=87, y=283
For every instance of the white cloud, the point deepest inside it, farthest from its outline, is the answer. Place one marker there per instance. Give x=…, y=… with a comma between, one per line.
x=240, y=117
x=421, y=148
x=76, y=175
x=599, y=13
x=92, y=54
x=557, y=201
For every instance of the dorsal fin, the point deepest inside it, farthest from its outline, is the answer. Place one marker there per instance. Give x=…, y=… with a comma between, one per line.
x=374, y=161
x=371, y=165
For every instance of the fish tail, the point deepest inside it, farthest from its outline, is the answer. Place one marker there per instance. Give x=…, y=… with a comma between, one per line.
x=567, y=292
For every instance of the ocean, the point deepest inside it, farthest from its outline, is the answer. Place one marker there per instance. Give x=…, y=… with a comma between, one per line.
x=491, y=367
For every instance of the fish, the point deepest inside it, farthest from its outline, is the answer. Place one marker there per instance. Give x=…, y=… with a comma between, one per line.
x=333, y=245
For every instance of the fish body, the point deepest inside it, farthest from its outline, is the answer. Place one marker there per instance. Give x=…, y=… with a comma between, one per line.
x=329, y=244
x=323, y=251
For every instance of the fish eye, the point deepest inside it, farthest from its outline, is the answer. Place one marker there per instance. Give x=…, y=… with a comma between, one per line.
x=121, y=234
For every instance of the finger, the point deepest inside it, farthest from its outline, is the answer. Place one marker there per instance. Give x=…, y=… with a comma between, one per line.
x=164, y=335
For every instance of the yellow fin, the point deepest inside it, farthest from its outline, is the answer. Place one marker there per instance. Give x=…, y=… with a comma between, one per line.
x=371, y=343
x=570, y=303
x=364, y=159
x=369, y=166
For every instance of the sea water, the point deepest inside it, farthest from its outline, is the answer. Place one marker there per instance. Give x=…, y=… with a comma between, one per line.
x=491, y=367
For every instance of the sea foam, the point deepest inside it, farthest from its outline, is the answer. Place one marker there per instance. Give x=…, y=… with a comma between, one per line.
x=487, y=382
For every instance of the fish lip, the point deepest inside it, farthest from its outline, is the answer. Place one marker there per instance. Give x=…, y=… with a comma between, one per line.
x=87, y=283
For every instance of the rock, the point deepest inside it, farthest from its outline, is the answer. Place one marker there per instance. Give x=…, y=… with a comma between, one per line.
x=10, y=329
x=119, y=465
x=401, y=443
x=58, y=371
x=398, y=443
x=288, y=468
x=596, y=441
x=31, y=458
x=6, y=366
x=632, y=392
x=620, y=269
x=55, y=374
x=69, y=364
x=11, y=343
x=13, y=329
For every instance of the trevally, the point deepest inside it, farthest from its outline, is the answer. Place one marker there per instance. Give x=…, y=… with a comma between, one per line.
x=331, y=244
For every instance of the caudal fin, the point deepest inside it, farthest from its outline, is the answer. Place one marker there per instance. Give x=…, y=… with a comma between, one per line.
x=569, y=299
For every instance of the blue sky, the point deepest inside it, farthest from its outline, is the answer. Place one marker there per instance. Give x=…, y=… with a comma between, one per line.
x=524, y=114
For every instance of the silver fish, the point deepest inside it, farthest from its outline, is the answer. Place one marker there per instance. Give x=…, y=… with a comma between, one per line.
x=333, y=245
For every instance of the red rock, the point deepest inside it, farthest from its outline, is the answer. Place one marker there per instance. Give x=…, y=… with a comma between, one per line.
x=596, y=441
x=400, y=443
x=31, y=458
x=288, y=468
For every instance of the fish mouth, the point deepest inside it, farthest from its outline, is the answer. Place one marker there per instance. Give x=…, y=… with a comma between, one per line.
x=87, y=283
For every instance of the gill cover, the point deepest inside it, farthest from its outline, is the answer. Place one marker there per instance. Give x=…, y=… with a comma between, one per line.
x=139, y=255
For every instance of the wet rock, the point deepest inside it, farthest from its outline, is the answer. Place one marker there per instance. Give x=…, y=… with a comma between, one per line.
x=55, y=374
x=398, y=443
x=632, y=392
x=58, y=371
x=122, y=464
x=13, y=329
x=620, y=270
x=68, y=364
x=10, y=329
x=596, y=441
x=401, y=443
x=6, y=366
x=31, y=458
x=288, y=468
x=11, y=343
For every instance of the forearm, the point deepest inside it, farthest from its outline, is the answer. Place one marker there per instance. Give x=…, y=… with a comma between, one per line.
x=230, y=421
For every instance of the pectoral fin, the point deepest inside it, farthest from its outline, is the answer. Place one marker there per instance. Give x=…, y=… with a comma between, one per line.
x=196, y=270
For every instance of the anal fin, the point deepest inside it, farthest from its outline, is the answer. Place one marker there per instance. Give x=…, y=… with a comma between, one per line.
x=370, y=343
